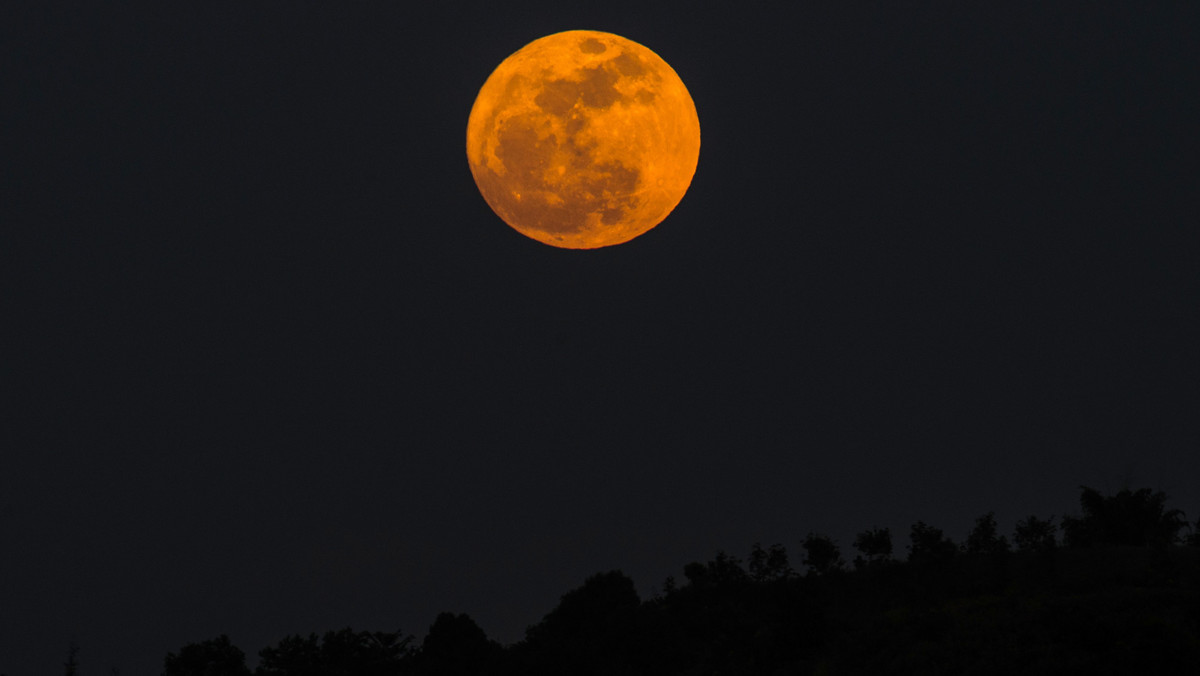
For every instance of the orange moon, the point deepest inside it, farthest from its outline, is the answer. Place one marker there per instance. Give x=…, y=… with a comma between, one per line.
x=583, y=139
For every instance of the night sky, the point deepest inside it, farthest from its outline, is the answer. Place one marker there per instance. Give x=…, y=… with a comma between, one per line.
x=269, y=364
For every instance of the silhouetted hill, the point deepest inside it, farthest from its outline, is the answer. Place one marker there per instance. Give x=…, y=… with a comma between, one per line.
x=1110, y=610
x=1123, y=596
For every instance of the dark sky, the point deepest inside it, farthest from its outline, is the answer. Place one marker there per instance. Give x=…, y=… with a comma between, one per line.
x=270, y=364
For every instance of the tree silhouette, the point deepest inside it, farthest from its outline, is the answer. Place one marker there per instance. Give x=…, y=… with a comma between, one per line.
x=214, y=657
x=71, y=666
x=723, y=621
x=1194, y=539
x=822, y=554
x=456, y=646
x=1130, y=518
x=1035, y=535
x=338, y=653
x=591, y=631
x=294, y=656
x=929, y=545
x=875, y=544
x=724, y=570
x=984, y=539
x=769, y=565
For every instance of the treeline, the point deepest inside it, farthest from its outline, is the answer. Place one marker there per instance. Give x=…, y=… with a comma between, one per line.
x=1113, y=590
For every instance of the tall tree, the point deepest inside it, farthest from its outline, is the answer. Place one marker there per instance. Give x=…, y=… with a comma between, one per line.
x=456, y=646
x=71, y=666
x=593, y=630
x=603, y=604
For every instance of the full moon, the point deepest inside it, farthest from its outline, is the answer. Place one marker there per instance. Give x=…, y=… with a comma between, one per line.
x=583, y=139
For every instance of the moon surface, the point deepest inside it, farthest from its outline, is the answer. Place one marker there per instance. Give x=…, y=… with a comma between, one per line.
x=583, y=139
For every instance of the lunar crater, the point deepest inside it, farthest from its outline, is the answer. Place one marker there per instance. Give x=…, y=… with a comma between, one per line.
x=592, y=46
x=596, y=89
